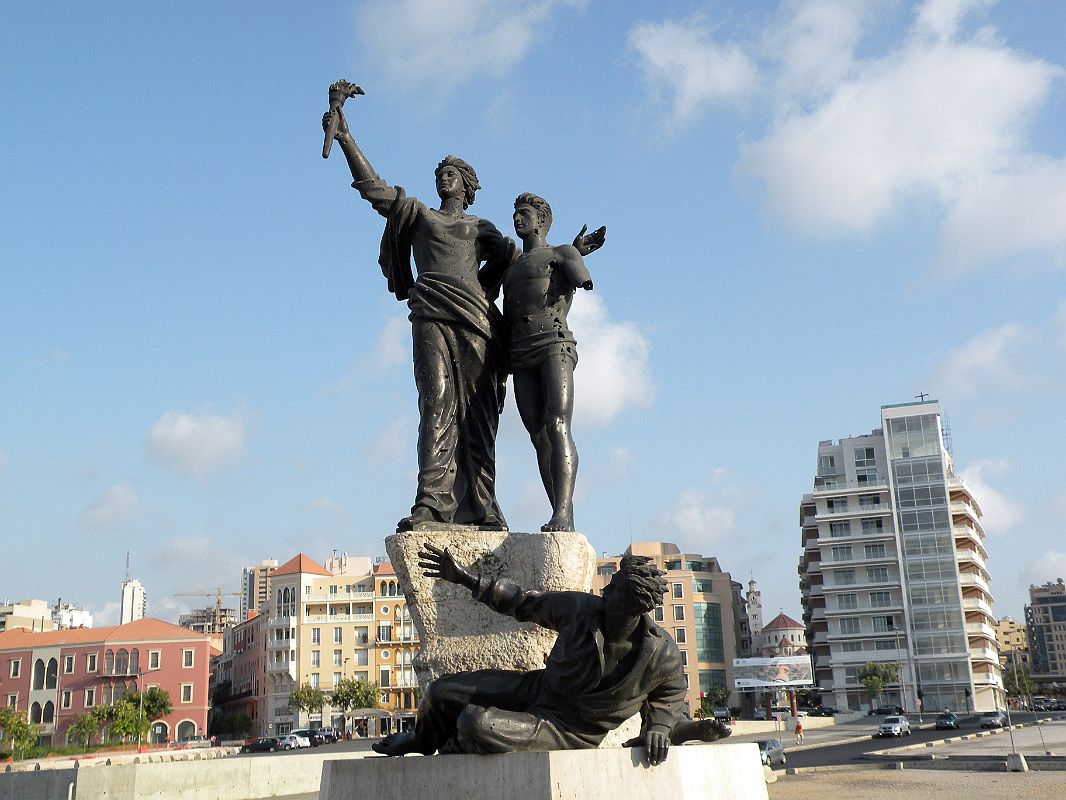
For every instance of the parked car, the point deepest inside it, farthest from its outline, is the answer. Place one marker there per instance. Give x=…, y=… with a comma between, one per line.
x=947, y=721
x=193, y=742
x=894, y=726
x=329, y=735
x=759, y=713
x=313, y=737
x=823, y=711
x=264, y=744
x=294, y=741
x=993, y=719
x=771, y=752
x=1059, y=705
x=723, y=714
x=885, y=711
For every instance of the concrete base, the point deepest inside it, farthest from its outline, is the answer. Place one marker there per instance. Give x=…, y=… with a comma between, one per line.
x=1016, y=763
x=706, y=772
x=458, y=634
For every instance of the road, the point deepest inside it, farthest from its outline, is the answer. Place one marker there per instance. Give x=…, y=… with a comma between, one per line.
x=850, y=753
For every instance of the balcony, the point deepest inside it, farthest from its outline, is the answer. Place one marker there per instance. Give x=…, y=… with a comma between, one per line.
x=279, y=622
x=833, y=484
x=977, y=604
x=984, y=654
x=980, y=629
x=338, y=597
x=967, y=555
x=971, y=579
x=958, y=507
x=326, y=619
x=279, y=644
x=279, y=667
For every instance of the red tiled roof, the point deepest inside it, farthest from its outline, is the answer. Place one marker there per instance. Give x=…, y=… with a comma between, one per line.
x=147, y=629
x=300, y=563
x=780, y=622
x=384, y=568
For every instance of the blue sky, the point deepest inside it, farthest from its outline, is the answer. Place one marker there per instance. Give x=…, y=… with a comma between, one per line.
x=813, y=208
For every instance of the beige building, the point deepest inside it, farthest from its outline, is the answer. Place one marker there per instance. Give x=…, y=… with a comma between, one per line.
x=255, y=586
x=1013, y=644
x=34, y=615
x=321, y=623
x=704, y=611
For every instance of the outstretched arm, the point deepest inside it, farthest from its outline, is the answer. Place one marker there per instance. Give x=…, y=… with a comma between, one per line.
x=364, y=178
x=437, y=563
x=568, y=259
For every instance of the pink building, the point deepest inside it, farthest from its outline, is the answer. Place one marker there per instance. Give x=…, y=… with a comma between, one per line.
x=56, y=675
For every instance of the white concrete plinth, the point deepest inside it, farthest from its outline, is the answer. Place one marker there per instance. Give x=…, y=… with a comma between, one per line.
x=704, y=772
x=1016, y=763
x=459, y=634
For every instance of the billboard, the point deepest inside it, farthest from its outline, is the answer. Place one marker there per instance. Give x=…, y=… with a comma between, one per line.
x=772, y=673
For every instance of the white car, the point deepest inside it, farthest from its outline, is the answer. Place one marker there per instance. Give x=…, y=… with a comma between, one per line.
x=293, y=742
x=894, y=726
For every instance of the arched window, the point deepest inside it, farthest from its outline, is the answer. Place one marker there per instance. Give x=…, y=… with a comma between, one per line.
x=122, y=662
x=53, y=671
x=281, y=611
x=49, y=715
x=384, y=589
x=109, y=694
x=38, y=674
x=135, y=661
x=109, y=662
x=186, y=729
x=35, y=714
x=392, y=589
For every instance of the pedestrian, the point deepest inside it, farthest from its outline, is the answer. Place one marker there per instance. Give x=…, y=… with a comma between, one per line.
x=799, y=732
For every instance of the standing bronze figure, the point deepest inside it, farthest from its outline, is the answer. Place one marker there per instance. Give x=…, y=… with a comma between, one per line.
x=457, y=331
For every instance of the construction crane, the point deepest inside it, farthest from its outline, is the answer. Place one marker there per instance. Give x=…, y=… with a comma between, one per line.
x=217, y=624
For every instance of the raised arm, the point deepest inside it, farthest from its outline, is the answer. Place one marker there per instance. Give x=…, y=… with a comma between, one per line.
x=364, y=179
x=569, y=260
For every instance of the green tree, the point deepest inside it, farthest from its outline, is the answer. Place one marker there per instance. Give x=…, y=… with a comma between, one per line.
x=307, y=699
x=715, y=698
x=873, y=675
x=15, y=731
x=82, y=729
x=1018, y=683
x=156, y=703
x=354, y=693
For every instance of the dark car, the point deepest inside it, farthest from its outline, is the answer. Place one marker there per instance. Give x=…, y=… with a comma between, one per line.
x=885, y=711
x=946, y=721
x=264, y=744
x=823, y=711
x=315, y=736
x=771, y=752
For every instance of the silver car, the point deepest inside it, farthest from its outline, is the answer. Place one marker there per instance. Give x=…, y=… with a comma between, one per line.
x=771, y=752
x=894, y=726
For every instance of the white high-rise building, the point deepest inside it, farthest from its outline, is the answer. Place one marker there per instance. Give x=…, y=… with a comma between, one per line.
x=68, y=615
x=134, y=601
x=255, y=586
x=894, y=569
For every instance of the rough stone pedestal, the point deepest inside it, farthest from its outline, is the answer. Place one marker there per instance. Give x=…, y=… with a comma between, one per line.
x=705, y=772
x=459, y=634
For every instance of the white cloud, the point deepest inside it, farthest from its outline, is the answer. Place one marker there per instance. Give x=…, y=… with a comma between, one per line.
x=115, y=506
x=695, y=523
x=999, y=513
x=105, y=615
x=393, y=442
x=197, y=443
x=938, y=116
x=993, y=358
x=613, y=373
x=442, y=43
x=687, y=69
x=195, y=562
x=1049, y=567
x=393, y=346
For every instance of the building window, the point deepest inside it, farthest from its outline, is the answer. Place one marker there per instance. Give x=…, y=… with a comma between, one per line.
x=864, y=457
x=843, y=577
x=679, y=613
x=16, y=668
x=707, y=618
x=336, y=679
x=873, y=526
x=851, y=647
x=679, y=635
x=679, y=590
x=336, y=658
x=12, y=700
x=90, y=662
x=836, y=504
x=684, y=658
x=882, y=624
x=68, y=664
x=880, y=599
x=851, y=674
x=186, y=693
x=337, y=635
x=606, y=570
x=154, y=659
x=884, y=644
x=827, y=465
x=384, y=679
x=869, y=501
x=849, y=625
x=866, y=475
x=657, y=614
x=837, y=529
x=847, y=601
x=316, y=636
x=64, y=700
x=333, y=589
x=316, y=659
x=384, y=633
x=702, y=585
x=314, y=680
x=875, y=550
x=877, y=574
x=842, y=552
x=90, y=698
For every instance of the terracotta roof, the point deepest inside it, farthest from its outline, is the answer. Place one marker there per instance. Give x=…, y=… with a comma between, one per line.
x=781, y=622
x=147, y=629
x=384, y=568
x=300, y=563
